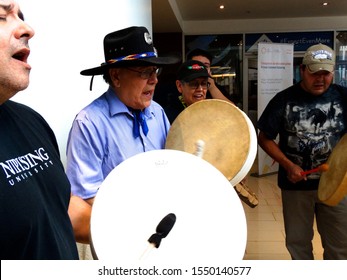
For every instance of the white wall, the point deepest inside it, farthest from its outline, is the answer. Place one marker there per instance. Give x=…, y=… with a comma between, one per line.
x=69, y=38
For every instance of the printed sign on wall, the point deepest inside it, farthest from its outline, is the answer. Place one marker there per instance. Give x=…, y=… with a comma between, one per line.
x=275, y=73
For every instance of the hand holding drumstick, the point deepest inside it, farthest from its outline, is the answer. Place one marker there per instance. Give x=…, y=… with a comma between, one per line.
x=321, y=168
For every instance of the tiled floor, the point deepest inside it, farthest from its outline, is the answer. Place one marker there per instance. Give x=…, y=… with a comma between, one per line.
x=265, y=230
x=265, y=237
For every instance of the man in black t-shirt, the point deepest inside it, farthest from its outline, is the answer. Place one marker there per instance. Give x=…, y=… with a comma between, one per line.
x=310, y=117
x=34, y=190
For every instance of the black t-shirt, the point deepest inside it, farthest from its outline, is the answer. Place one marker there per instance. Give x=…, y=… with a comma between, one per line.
x=308, y=127
x=34, y=190
x=174, y=107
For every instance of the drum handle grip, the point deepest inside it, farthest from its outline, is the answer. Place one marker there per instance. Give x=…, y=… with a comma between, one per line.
x=199, y=148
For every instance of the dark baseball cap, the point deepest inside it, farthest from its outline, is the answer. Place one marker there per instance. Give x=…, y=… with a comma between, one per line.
x=191, y=70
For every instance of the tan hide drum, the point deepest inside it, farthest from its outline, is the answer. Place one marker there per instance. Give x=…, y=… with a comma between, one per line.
x=229, y=138
x=139, y=199
x=333, y=183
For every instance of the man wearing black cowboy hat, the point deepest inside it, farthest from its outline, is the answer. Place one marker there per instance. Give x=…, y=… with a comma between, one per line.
x=121, y=123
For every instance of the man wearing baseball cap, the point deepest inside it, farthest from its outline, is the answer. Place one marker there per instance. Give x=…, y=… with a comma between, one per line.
x=310, y=118
x=192, y=85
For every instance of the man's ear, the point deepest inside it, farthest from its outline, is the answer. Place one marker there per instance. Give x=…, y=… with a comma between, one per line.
x=114, y=75
x=179, y=86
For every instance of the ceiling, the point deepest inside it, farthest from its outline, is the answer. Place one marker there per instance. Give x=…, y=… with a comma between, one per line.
x=164, y=19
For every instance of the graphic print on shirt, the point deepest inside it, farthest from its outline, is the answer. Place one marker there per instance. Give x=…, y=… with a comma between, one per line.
x=23, y=167
x=311, y=129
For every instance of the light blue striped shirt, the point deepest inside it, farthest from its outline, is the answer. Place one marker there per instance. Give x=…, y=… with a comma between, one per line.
x=101, y=137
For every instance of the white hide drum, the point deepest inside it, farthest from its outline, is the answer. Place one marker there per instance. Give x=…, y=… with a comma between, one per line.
x=210, y=221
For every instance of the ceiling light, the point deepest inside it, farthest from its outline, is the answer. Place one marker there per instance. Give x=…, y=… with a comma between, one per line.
x=325, y=4
x=221, y=7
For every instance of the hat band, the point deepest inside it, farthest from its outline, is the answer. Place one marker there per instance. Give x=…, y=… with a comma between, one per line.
x=196, y=67
x=131, y=57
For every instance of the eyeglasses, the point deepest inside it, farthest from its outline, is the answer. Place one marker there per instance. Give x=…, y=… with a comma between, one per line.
x=146, y=74
x=195, y=84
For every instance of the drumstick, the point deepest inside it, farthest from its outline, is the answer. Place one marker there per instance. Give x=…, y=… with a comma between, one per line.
x=200, y=146
x=322, y=168
x=162, y=230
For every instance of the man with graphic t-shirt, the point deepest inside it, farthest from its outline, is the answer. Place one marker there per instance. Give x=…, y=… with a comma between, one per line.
x=34, y=190
x=310, y=117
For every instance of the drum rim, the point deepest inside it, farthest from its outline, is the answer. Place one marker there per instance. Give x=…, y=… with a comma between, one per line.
x=338, y=195
x=251, y=153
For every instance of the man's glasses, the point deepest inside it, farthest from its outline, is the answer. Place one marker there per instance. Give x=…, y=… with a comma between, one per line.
x=146, y=74
x=195, y=84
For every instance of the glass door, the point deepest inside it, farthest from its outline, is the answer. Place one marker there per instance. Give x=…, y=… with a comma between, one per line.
x=341, y=58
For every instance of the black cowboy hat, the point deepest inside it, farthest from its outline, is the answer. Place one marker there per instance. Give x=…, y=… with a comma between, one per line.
x=131, y=46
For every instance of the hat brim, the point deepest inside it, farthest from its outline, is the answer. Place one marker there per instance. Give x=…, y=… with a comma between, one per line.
x=155, y=61
x=313, y=68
